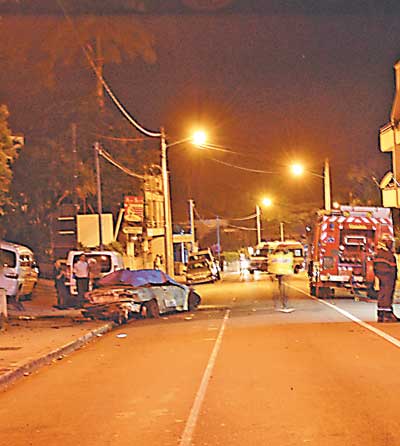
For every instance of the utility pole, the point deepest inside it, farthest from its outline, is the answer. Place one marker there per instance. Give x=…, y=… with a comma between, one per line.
x=169, y=255
x=97, y=151
x=258, y=224
x=327, y=186
x=74, y=167
x=99, y=68
x=282, y=232
x=192, y=227
x=218, y=239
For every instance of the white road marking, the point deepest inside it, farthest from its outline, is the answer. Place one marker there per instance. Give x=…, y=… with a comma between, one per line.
x=355, y=319
x=191, y=422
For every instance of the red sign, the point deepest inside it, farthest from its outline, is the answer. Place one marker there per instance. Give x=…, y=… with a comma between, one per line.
x=134, y=207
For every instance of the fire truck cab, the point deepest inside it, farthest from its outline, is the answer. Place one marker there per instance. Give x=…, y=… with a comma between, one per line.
x=344, y=243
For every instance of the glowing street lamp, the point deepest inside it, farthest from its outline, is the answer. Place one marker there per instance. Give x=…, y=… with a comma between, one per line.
x=199, y=138
x=298, y=169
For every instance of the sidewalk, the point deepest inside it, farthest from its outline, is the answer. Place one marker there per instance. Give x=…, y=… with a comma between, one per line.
x=41, y=334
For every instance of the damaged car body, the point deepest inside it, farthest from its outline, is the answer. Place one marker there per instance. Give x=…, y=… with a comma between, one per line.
x=124, y=294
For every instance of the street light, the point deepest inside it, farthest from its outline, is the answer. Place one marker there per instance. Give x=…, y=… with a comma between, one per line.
x=298, y=169
x=266, y=202
x=197, y=138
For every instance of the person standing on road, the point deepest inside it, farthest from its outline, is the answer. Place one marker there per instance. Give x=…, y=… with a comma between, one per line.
x=81, y=274
x=94, y=272
x=385, y=269
x=60, y=277
x=281, y=263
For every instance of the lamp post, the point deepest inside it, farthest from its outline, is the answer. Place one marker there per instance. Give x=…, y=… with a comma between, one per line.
x=97, y=150
x=297, y=169
x=266, y=202
x=168, y=240
x=198, y=138
x=258, y=223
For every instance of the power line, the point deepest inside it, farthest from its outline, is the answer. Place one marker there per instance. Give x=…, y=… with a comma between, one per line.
x=235, y=166
x=122, y=139
x=242, y=228
x=100, y=77
x=109, y=158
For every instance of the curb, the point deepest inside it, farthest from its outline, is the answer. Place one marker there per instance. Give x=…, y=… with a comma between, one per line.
x=10, y=377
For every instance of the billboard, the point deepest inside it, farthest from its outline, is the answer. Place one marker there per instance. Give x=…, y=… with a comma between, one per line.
x=134, y=209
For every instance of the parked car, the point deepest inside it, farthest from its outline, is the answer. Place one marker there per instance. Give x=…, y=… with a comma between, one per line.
x=201, y=271
x=109, y=261
x=206, y=255
x=146, y=293
x=18, y=270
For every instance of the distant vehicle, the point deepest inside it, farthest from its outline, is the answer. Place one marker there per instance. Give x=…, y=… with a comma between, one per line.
x=344, y=245
x=258, y=260
x=147, y=293
x=201, y=271
x=298, y=253
x=18, y=270
x=110, y=261
x=206, y=254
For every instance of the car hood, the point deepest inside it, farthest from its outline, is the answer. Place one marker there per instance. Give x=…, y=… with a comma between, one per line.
x=138, y=278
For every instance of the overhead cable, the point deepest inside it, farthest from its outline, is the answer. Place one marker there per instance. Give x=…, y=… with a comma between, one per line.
x=235, y=166
x=109, y=158
x=242, y=228
x=120, y=138
x=99, y=76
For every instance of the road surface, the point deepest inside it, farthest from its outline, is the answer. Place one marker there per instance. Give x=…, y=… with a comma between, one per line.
x=234, y=373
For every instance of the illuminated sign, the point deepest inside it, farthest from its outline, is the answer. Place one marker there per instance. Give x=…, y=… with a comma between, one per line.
x=357, y=226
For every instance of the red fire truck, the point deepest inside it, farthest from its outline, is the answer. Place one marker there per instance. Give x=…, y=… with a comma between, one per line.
x=344, y=242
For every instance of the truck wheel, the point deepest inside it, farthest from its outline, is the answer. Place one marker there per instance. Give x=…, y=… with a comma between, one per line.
x=152, y=309
x=297, y=269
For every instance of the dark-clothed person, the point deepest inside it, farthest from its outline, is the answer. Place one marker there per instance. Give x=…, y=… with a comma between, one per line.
x=94, y=272
x=81, y=274
x=60, y=277
x=385, y=270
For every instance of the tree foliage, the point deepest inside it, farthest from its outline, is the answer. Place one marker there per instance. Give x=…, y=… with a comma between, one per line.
x=59, y=42
x=8, y=154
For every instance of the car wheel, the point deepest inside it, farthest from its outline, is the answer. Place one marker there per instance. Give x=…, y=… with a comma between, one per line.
x=193, y=301
x=152, y=309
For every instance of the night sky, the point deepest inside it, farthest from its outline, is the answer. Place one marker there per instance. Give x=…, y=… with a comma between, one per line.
x=287, y=81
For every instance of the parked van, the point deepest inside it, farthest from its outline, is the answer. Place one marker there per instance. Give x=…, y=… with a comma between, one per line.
x=18, y=270
x=109, y=261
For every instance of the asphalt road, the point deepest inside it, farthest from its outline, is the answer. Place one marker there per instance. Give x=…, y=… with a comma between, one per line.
x=234, y=373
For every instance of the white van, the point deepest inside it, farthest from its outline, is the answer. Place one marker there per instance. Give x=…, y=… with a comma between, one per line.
x=109, y=261
x=18, y=270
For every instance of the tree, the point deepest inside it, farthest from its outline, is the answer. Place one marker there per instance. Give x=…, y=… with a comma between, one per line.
x=8, y=154
x=58, y=43
x=363, y=188
x=42, y=178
